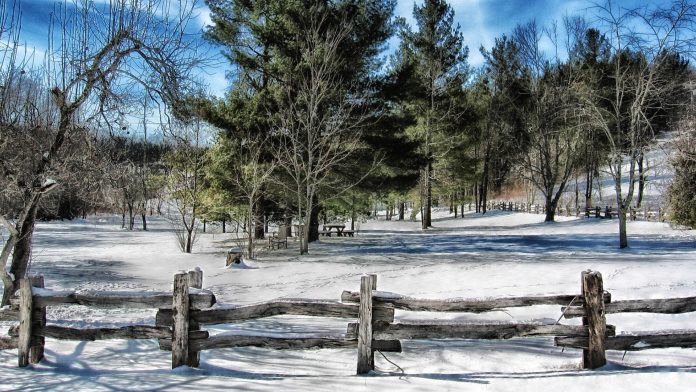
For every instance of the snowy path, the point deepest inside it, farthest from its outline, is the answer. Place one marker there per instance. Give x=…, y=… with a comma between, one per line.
x=500, y=254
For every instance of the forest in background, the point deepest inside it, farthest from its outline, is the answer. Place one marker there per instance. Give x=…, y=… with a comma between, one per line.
x=325, y=118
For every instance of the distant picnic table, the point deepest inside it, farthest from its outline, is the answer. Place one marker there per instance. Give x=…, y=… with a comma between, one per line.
x=340, y=230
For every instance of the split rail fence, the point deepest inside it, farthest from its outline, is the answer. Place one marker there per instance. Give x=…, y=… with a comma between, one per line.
x=187, y=309
x=606, y=212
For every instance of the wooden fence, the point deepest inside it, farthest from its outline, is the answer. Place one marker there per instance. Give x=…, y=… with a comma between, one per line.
x=606, y=212
x=30, y=309
x=187, y=309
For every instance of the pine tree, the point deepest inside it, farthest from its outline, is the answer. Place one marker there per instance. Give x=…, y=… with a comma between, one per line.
x=265, y=40
x=438, y=55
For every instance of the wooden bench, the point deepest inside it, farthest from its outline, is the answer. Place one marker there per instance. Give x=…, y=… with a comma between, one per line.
x=348, y=233
x=275, y=241
x=326, y=233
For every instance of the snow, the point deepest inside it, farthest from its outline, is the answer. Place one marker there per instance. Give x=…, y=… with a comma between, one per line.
x=501, y=254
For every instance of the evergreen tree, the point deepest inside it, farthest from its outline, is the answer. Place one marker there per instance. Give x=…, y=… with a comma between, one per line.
x=682, y=191
x=438, y=55
x=502, y=139
x=591, y=54
x=265, y=42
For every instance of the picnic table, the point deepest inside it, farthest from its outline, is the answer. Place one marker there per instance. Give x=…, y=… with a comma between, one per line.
x=339, y=230
x=329, y=228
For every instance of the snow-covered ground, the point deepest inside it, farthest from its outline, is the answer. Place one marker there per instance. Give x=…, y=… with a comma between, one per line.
x=499, y=254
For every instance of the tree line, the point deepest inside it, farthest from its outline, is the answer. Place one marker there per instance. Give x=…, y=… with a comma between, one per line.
x=332, y=106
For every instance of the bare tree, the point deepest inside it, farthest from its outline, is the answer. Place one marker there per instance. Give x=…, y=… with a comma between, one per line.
x=552, y=118
x=249, y=174
x=96, y=53
x=317, y=127
x=643, y=42
x=186, y=163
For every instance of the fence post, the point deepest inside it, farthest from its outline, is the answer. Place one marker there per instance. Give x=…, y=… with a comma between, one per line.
x=180, y=308
x=195, y=281
x=594, y=355
x=366, y=359
x=26, y=309
x=37, y=349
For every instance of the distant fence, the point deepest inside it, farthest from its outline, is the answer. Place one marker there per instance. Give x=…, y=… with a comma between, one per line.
x=183, y=313
x=605, y=212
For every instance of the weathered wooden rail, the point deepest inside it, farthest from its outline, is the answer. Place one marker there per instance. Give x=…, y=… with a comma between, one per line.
x=183, y=313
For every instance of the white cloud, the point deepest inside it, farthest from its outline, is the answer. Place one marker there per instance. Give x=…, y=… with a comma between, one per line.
x=203, y=16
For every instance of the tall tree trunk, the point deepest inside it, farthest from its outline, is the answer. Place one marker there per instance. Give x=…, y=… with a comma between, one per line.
x=402, y=210
x=551, y=204
x=287, y=221
x=429, y=197
x=588, y=188
x=250, y=237
x=131, y=217
x=22, y=248
x=426, y=198
x=577, y=197
x=483, y=190
x=304, y=241
x=353, y=214
x=142, y=215
x=623, y=236
x=313, y=232
x=259, y=211
x=641, y=180
x=8, y=283
x=189, y=240
x=303, y=219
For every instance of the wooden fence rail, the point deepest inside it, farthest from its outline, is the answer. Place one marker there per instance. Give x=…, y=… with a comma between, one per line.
x=399, y=301
x=299, y=307
x=666, y=306
x=188, y=308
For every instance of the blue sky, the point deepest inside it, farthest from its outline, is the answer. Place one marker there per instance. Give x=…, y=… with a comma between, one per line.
x=480, y=20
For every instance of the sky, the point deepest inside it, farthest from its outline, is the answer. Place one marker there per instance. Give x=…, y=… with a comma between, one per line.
x=481, y=21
